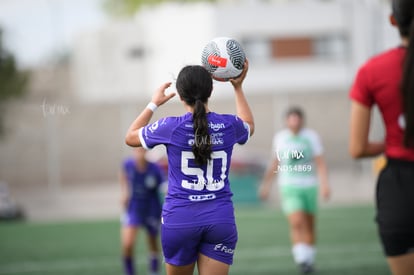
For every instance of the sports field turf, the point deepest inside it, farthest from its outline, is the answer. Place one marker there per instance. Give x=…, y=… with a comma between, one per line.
x=348, y=244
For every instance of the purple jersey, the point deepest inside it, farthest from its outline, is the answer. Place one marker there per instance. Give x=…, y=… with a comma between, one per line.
x=143, y=187
x=197, y=195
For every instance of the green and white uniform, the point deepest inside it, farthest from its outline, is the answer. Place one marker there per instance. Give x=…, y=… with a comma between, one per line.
x=296, y=171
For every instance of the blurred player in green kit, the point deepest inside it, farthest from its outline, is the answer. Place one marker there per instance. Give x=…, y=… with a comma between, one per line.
x=301, y=171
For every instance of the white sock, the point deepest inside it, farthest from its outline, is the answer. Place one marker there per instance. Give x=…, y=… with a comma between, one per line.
x=300, y=253
x=310, y=253
x=303, y=253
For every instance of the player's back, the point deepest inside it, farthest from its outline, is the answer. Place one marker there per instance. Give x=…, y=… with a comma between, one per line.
x=197, y=194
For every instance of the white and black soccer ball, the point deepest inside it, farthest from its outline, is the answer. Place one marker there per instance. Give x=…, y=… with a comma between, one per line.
x=224, y=58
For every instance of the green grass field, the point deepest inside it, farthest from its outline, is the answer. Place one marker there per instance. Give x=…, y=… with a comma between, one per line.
x=347, y=244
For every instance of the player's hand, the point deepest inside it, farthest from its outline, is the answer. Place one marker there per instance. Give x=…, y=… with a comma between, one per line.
x=237, y=82
x=325, y=192
x=160, y=97
x=264, y=191
x=124, y=201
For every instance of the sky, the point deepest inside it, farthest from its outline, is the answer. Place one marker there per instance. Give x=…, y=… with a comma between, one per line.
x=35, y=30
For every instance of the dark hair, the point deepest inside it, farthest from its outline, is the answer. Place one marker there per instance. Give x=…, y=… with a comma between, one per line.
x=194, y=85
x=295, y=110
x=403, y=11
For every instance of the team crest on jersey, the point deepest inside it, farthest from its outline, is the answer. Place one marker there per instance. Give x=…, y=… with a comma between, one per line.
x=401, y=121
x=150, y=182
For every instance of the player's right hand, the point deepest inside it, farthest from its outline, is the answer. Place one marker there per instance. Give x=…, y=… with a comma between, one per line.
x=160, y=97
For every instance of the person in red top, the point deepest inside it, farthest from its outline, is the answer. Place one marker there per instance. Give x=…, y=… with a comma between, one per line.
x=387, y=80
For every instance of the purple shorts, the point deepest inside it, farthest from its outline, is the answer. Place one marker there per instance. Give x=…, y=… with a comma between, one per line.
x=181, y=246
x=151, y=223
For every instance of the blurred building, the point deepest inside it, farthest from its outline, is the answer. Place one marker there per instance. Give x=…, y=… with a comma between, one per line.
x=70, y=130
x=301, y=52
x=293, y=46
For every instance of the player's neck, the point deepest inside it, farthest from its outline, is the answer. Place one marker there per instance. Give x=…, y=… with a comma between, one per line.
x=295, y=132
x=404, y=41
x=191, y=109
x=141, y=165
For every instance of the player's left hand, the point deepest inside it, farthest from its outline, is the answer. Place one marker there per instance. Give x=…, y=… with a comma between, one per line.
x=264, y=191
x=160, y=97
x=124, y=201
x=325, y=192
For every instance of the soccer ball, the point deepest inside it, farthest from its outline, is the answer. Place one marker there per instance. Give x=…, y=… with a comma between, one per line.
x=224, y=58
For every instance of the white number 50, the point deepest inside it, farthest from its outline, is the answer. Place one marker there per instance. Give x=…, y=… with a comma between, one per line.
x=209, y=182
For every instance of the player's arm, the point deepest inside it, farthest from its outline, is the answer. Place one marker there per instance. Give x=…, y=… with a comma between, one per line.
x=322, y=171
x=124, y=189
x=268, y=179
x=242, y=106
x=360, y=146
x=159, y=98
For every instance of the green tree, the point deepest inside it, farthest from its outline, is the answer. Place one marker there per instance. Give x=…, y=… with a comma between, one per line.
x=12, y=82
x=129, y=7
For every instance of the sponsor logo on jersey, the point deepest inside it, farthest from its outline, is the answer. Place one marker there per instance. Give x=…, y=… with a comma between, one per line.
x=223, y=248
x=213, y=139
x=216, y=126
x=202, y=197
x=153, y=127
x=216, y=140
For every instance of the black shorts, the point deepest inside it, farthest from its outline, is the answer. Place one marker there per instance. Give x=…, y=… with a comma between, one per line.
x=395, y=207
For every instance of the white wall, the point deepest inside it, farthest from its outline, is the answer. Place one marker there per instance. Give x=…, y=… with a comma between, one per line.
x=169, y=36
x=102, y=67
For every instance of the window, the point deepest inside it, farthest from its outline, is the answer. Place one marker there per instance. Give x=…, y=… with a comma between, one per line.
x=292, y=47
x=322, y=47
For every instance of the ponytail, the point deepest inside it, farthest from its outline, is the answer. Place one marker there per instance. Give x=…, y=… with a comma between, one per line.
x=407, y=90
x=202, y=145
x=194, y=85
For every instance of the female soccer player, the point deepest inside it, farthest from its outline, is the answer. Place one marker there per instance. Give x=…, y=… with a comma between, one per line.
x=198, y=224
x=296, y=149
x=140, y=183
x=388, y=81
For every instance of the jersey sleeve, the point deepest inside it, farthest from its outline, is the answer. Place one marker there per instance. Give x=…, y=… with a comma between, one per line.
x=317, y=148
x=156, y=133
x=360, y=90
x=242, y=130
x=275, y=145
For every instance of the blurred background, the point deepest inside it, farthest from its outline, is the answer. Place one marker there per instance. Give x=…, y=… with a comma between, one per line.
x=75, y=73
